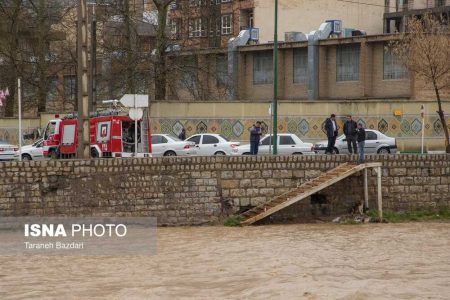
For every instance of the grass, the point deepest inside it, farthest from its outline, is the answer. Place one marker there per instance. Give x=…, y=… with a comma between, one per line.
x=233, y=221
x=415, y=215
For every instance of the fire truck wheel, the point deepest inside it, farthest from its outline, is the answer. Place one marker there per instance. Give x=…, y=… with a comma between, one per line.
x=52, y=154
x=170, y=153
x=94, y=153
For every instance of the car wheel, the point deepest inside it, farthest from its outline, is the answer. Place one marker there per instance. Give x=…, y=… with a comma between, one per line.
x=52, y=154
x=170, y=153
x=383, y=151
x=219, y=153
x=26, y=157
x=297, y=153
x=335, y=150
x=246, y=153
x=94, y=153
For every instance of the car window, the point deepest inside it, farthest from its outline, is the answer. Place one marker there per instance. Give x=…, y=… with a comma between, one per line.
x=371, y=135
x=266, y=141
x=286, y=140
x=176, y=139
x=195, y=139
x=209, y=139
x=3, y=142
x=158, y=139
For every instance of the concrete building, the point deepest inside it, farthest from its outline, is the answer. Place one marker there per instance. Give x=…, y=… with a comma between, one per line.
x=397, y=12
x=210, y=24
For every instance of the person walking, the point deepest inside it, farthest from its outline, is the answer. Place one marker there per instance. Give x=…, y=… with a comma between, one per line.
x=361, y=138
x=255, y=136
x=350, y=134
x=332, y=132
x=182, y=135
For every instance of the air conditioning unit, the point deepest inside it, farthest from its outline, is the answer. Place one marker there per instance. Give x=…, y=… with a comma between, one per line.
x=254, y=34
x=336, y=26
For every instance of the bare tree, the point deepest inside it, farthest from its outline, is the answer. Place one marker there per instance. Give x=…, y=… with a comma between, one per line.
x=425, y=50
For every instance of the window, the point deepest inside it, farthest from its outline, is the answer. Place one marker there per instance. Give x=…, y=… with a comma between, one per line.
x=197, y=27
x=221, y=70
x=174, y=28
x=158, y=139
x=300, y=65
x=266, y=141
x=370, y=135
x=262, y=68
x=195, y=139
x=214, y=26
x=440, y=3
x=209, y=139
x=392, y=67
x=70, y=87
x=347, y=63
x=52, y=92
x=286, y=140
x=227, y=24
x=197, y=2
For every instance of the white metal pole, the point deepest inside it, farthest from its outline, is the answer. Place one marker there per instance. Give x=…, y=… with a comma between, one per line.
x=19, y=92
x=422, y=112
x=380, y=195
x=270, y=130
x=135, y=130
x=366, y=190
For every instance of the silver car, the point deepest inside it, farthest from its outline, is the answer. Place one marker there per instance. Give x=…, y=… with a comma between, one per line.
x=169, y=145
x=376, y=142
x=34, y=151
x=8, y=151
x=288, y=144
x=213, y=144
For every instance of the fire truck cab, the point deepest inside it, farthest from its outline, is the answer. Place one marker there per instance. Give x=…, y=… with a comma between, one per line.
x=110, y=135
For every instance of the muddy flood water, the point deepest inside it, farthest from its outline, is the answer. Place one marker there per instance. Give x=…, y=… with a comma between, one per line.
x=324, y=261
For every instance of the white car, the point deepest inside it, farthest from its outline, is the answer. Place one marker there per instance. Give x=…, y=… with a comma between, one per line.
x=288, y=144
x=7, y=151
x=169, y=145
x=376, y=142
x=213, y=144
x=34, y=151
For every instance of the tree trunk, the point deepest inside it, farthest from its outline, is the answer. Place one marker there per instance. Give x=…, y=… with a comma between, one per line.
x=442, y=118
x=130, y=48
x=41, y=53
x=160, y=59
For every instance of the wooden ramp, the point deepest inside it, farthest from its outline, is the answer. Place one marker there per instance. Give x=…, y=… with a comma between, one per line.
x=311, y=187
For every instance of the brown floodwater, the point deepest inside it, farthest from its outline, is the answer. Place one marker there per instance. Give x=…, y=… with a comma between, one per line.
x=324, y=261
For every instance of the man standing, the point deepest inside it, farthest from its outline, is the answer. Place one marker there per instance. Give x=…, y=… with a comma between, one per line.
x=332, y=132
x=350, y=134
x=182, y=135
x=361, y=137
x=255, y=135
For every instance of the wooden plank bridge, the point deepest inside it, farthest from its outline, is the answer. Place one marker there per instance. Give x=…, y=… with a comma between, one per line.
x=313, y=186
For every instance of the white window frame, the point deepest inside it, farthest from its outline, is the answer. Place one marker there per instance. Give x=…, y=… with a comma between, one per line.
x=226, y=24
x=197, y=28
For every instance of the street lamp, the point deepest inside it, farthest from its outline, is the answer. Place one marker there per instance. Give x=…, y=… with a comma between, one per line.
x=275, y=82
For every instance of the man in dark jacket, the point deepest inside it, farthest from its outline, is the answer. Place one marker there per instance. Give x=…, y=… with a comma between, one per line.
x=361, y=138
x=332, y=132
x=182, y=135
x=350, y=134
x=255, y=135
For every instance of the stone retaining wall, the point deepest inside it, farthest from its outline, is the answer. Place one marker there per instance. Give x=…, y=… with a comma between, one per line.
x=202, y=190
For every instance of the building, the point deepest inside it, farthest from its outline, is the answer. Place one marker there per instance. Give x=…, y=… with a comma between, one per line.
x=397, y=12
x=204, y=24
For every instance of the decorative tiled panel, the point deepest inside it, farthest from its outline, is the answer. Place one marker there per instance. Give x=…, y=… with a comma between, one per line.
x=306, y=127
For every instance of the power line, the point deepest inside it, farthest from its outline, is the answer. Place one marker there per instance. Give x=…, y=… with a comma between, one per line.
x=364, y=3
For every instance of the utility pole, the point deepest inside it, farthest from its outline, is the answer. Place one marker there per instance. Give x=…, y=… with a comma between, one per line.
x=82, y=81
x=275, y=82
x=93, y=61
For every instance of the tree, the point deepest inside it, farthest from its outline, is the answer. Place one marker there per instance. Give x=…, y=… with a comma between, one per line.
x=425, y=51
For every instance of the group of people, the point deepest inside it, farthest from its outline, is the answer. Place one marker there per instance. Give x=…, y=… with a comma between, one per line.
x=355, y=135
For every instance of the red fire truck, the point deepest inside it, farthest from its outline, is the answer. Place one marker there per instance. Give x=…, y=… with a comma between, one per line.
x=110, y=134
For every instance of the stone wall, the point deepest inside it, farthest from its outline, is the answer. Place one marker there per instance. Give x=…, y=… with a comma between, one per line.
x=202, y=190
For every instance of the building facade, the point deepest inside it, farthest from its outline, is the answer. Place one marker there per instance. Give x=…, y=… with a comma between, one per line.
x=397, y=12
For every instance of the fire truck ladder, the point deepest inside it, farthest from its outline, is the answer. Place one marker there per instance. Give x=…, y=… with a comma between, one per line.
x=313, y=186
x=144, y=132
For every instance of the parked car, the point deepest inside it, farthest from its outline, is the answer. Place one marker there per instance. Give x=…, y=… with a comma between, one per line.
x=213, y=144
x=376, y=142
x=34, y=151
x=288, y=144
x=7, y=151
x=169, y=145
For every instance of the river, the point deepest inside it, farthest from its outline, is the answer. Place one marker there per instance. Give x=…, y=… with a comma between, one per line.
x=307, y=261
